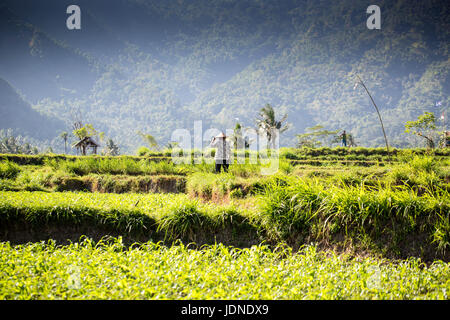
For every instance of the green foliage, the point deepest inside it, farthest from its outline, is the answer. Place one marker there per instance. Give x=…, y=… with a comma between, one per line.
x=268, y=123
x=425, y=127
x=326, y=200
x=172, y=215
x=149, y=139
x=422, y=173
x=308, y=208
x=142, y=151
x=236, y=193
x=87, y=130
x=8, y=169
x=15, y=145
x=315, y=137
x=185, y=220
x=111, y=149
x=47, y=271
x=122, y=165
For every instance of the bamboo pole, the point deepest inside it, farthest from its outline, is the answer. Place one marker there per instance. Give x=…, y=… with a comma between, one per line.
x=379, y=116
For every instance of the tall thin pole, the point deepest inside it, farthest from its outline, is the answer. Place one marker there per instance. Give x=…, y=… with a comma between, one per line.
x=379, y=116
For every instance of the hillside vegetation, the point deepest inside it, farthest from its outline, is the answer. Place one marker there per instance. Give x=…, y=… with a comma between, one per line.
x=169, y=63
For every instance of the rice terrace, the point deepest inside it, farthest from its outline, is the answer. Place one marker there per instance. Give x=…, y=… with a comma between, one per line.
x=224, y=150
x=331, y=229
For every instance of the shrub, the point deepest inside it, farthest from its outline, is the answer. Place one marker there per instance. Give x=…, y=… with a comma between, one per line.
x=9, y=170
x=236, y=193
x=423, y=163
x=306, y=207
x=183, y=220
x=143, y=151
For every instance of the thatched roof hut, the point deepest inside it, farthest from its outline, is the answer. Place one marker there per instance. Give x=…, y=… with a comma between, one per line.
x=85, y=143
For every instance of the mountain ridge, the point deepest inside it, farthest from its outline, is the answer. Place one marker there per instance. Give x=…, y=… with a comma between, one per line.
x=168, y=64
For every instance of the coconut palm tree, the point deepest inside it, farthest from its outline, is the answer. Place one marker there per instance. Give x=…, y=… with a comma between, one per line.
x=267, y=122
x=149, y=139
x=64, y=135
x=111, y=149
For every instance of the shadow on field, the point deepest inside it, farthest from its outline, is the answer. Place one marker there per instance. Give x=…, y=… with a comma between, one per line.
x=238, y=235
x=21, y=233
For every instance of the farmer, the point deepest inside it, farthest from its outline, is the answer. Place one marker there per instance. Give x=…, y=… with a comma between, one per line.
x=344, y=139
x=222, y=156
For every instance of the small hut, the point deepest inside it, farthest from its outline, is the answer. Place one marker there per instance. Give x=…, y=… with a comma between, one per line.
x=84, y=144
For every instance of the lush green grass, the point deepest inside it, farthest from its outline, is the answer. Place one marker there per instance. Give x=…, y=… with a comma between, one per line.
x=290, y=209
x=46, y=178
x=396, y=210
x=215, y=186
x=329, y=154
x=8, y=170
x=124, y=166
x=311, y=208
x=174, y=215
x=358, y=153
x=421, y=173
x=380, y=207
x=152, y=271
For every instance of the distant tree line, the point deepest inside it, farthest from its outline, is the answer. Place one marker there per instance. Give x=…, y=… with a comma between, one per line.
x=12, y=144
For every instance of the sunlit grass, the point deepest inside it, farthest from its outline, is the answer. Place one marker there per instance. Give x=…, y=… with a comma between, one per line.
x=151, y=271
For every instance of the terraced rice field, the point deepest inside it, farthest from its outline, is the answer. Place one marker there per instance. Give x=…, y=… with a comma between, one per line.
x=330, y=224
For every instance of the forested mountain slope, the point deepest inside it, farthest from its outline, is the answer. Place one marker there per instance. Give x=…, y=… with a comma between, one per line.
x=18, y=115
x=155, y=66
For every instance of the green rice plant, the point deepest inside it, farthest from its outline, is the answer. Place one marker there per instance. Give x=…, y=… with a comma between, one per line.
x=183, y=221
x=143, y=151
x=217, y=184
x=423, y=163
x=236, y=193
x=231, y=216
x=109, y=270
x=163, y=167
x=441, y=236
x=287, y=211
x=8, y=185
x=305, y=207
x=200, y=184
x=175, y=215
x=8, y=170
x=245, y=170
x=115, y=166
x=347, y=178
x=420, y=172
x=285, y=167
x=209, y=185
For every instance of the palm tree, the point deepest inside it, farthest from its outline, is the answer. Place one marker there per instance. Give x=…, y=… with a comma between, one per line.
x=172, y=145
x=64, y=135
x=267, y=122
x=111, y=149
x=149, y=139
